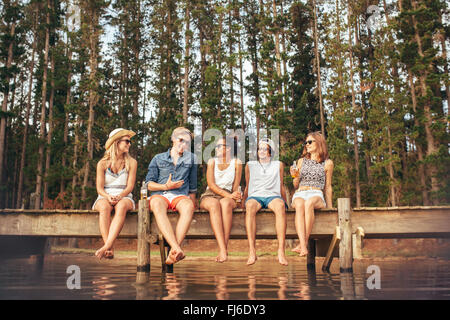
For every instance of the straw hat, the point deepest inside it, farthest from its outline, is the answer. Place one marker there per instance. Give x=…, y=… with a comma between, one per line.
x=117, y=134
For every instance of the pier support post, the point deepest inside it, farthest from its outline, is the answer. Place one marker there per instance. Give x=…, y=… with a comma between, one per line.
x=345, y=226
x=311, y=257
x=143, y=246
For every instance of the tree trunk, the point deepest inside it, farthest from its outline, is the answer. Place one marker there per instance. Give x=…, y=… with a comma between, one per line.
x=431, y=144
x=93, y=46
x=74, y=162
x=37, y=204
x=186, y=63
x=422, y=177
x=3, y=119
x=354, y=107
x=317, y=60
x=27, y=114
x=50, y=128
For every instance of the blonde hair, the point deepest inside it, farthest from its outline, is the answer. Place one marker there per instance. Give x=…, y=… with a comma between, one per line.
x=111, y=155
x=181, y=130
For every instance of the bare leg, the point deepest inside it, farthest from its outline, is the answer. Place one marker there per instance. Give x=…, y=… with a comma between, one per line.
x=310, y=205
x=277, y=206
x=251, y=207
x=227, y=217
x=299, y=205
x=159, y=208
x=116, y=226
x=213, y=206
x=186, y=210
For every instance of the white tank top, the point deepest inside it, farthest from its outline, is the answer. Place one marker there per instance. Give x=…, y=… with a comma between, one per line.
x=224, y=178
x=264, y=179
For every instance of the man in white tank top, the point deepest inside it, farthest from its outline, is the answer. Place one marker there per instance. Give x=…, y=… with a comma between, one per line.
x=265, y=189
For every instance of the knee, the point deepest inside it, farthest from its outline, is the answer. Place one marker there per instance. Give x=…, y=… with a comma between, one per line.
x=156, y=205
x=227, y=205
x=299, y=205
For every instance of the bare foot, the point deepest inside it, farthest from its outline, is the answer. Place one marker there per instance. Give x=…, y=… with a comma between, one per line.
x=303, y=252
x=282, y=258
x=101, y=253
x=251, y=259
x=296, y=249
x=222, y=257
x=175, y=256
x=109, y=254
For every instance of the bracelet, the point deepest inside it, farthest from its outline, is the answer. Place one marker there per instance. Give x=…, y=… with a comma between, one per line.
x=167, y=188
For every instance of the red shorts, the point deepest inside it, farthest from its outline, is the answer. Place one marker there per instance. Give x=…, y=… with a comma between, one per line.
x=171, y=201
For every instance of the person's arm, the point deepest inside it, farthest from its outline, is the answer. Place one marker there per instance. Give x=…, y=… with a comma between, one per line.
x=329, y=166
x=296, y=181
x=237, y=177
x=282, y=188
x=100, y=181
x=247, y=179
x=193, y=182
x=131, y=180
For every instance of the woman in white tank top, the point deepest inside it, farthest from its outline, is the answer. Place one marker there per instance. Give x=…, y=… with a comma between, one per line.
x=116, y=176
x=223, y=175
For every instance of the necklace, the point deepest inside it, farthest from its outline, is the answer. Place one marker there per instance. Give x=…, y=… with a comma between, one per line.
x=264, y=167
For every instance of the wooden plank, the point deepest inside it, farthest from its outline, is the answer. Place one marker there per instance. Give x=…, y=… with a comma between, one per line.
x=143, y=246
x=413, y=222
x=60, y=225
x=265, y=225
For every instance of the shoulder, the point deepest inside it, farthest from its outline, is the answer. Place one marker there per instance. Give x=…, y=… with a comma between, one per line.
x=211, y=162
x=280, y=163
x=238, y=161
x=103, y=164
x=329, y=163
x=133, y=161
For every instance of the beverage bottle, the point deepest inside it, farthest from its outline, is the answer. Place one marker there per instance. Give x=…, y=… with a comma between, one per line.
x=294, y=166
x=143, y=191
x=240, y=191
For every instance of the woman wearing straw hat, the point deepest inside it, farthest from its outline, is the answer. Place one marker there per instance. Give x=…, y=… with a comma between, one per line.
x=116, y=176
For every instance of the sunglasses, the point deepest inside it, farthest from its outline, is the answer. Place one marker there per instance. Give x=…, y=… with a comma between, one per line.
x=126, y=140
x=309, y=142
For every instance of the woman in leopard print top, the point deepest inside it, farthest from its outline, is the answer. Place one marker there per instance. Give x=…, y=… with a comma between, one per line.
x=312, y=179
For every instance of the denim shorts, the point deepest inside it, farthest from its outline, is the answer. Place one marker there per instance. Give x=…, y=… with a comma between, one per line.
x=308, y=194
x=264, y=201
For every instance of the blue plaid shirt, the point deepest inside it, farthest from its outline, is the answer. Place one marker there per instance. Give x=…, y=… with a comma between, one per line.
x=162, y=166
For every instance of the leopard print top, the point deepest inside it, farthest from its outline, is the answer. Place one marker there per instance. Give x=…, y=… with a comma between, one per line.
x=312, y=174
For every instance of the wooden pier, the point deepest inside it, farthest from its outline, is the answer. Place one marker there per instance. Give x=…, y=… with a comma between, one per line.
x=336, y=232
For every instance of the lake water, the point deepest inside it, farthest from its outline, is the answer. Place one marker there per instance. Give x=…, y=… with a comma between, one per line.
x=233, y=280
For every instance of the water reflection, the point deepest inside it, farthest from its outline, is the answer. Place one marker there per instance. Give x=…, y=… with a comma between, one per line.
x=103, y=288
x=173, y=286
x=221, y=287
x=196, y=280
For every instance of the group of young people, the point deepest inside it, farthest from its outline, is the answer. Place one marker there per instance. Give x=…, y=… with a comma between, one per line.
x=172, y=181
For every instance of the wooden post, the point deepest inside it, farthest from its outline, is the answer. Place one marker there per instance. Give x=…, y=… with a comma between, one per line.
x=311, y=257
x=357, y=239
x=345, y=226
x=331, y=249
x=143, y=247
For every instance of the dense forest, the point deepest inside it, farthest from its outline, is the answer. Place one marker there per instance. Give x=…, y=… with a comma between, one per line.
x=370, y=74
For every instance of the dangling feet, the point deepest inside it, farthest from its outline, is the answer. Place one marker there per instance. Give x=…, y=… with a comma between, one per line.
x=103, y=252
x=222, y=257
x=175, y=255
x=282, y=257
x=251, y=257
x=301, y=251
